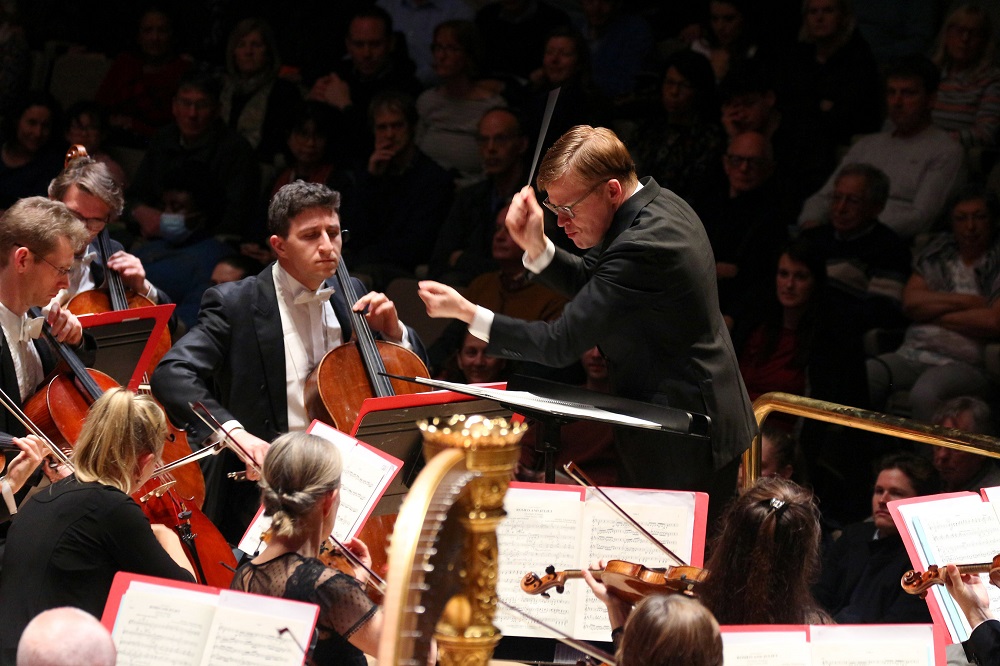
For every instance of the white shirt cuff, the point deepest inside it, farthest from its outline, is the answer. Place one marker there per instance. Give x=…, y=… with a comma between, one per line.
x=405, y=342
x=541, y=262
x=481, y=324
x=218, y=436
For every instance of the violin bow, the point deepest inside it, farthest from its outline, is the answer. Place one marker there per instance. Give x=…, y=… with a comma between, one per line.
x=227, y=439
x=377, y=581
x=578, y=475
x=582, y=646
x=33, y=429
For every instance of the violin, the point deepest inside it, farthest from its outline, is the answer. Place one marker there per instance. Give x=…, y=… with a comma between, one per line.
x=354, y=371
x=333, y=555
x=115, y=297
x=915, y=582
x=625, y=580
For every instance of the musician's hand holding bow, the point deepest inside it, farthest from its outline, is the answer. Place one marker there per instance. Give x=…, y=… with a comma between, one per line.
x=64, y=324
x=970, y=593
x=33, y=450
x=381, y=315
x=255, y=447
x=618, y=609
x=443, y=301
x=360, y=551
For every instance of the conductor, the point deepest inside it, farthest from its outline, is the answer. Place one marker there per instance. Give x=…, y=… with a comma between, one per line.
x=645, y=294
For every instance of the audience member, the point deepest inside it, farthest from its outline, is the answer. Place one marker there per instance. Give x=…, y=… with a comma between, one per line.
x=746, y=217
x=861, y=570
x=729, y=38
x=780, y=454
x=416, y=20
x=830, y=76
x=233, y=268
x=896, y=30
x=197, y=135
x=86, y=125
x=15, y=59
x=450, y=111
x=65, y=636
x=923, y=163
x=29, y=157
x=463, y=248
x=476, y=366
x=310, y=147
x=962, y=470
x=952, y=297
x=621, y=44
x=401, y=200
x=137, y=90
x=773, y=530
x=776, y=348
x=376, y=62
x=680, y=146
x=967, y=104
x=514, y=34
x=255, y=101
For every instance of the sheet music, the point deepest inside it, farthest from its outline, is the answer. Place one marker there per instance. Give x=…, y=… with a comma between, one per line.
x=765, y=648
x=873, y=645
x=151, y=624
x=243, y=638
x=542, y=528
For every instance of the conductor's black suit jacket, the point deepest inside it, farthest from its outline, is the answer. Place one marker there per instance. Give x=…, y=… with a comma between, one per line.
x=647, y=296
x=233, y=361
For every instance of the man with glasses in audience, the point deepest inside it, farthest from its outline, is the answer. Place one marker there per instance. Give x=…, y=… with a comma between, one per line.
x=645, y=293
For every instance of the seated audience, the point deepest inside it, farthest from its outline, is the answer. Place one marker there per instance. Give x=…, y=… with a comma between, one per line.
x=449, y=113
x=197, y=135
x=66, y=636
x=416, y=21
x=830, y=76
x=475, y=366
x=463, y=248
x=137, y=90
x=401, y=200
x=680, y=146
x=29, y=156
x=861, y=570
x=952, y=298
x=780, y=454
x=967, y=104
x=300, y=491
x=896, y=30
x=233, y=268
x=311, y=151
x=746, y=217
x=962, y=470
x=729, y=37
x=923, y=164
x=69, y=540
x=514, y=34
x=775, y=347
x=255, y=101
x=87, y=126
x=621, y=43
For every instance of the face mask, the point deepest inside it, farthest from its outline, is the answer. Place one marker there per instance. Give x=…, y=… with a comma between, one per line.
x=172, y=228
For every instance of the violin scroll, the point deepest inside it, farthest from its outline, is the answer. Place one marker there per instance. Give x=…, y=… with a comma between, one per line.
x=532, y=583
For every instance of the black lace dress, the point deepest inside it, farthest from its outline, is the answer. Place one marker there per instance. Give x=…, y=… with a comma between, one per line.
x=343, y=605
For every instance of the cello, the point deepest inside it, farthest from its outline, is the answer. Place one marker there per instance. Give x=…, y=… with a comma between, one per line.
x=355, y=370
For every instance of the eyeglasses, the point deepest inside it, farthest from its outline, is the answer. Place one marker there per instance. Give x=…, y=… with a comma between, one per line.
x=64, y=272
x=89, y=221
x=568, y=210
x=737, y=161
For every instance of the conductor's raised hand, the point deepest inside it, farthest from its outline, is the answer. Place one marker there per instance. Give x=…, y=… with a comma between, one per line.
x=443, y=301
x=526, y=222
x=381, y=315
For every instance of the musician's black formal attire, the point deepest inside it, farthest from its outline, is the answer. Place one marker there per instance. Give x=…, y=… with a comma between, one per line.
x=65, y=546
x=233, y=361
x=647, y=296
x=983, y=646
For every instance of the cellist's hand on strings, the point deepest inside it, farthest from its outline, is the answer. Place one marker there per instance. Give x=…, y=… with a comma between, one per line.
x=131, y=271
x=618, y=609
x=443, y=301
x=33, y=450
x=381, y=315
x=64, y=324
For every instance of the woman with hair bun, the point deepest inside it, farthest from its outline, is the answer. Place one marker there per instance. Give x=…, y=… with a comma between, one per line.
x=300, y=490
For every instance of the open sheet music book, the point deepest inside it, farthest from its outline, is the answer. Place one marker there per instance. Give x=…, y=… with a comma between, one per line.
x=367, y=472
x=568, y=528
x=833, y=645
x=951, y=528
x=154, y=621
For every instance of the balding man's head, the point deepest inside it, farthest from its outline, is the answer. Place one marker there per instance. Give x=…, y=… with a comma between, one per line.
x=65, y=637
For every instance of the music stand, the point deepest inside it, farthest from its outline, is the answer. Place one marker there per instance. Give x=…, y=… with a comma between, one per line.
x=126, y=340
x=555, y=405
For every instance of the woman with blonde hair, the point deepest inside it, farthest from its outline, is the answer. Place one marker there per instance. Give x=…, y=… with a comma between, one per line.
x=68, y=541
x=300, y=490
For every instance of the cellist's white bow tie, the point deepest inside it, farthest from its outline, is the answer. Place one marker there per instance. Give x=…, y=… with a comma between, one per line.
x=313, y=296
x=31, y=328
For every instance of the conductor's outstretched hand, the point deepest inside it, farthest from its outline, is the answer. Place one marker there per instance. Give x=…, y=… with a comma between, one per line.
x=443, y=301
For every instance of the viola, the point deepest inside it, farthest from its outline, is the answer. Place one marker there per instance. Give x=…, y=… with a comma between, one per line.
x=915, y=582
x=114, y=297
x=354, y=371
x=625, y=580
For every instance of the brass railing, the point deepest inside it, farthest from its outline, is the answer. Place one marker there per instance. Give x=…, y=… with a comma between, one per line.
x=861, y=419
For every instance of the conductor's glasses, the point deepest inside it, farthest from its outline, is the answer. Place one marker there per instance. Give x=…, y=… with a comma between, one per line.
x=568, y=209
